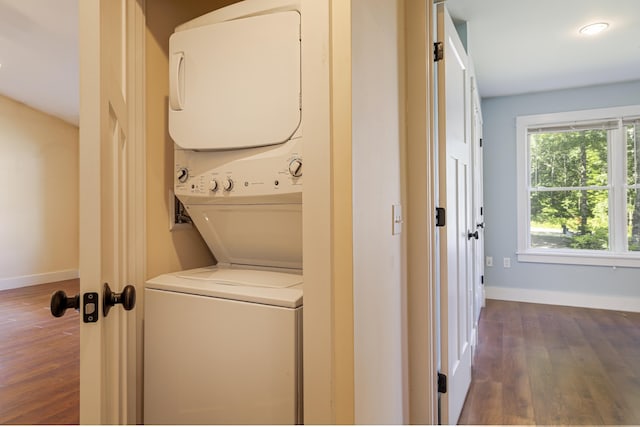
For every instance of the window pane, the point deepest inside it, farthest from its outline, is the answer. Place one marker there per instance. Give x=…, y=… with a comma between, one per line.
x=568, y=159
x=633, y=180
x=576, y=219
x=633, y=154
x=633, y=210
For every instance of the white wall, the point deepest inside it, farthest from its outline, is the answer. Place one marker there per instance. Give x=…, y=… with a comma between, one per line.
x=605, y=287
x=377, y=254
x=39, y=197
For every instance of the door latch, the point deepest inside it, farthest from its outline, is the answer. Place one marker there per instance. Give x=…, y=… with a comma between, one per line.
x=90, y=307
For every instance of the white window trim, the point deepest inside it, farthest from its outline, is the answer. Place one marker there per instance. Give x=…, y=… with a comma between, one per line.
x=525, y=253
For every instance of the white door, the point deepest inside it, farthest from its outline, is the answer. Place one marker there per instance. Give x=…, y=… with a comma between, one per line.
x=110, y=245
x=454, y=152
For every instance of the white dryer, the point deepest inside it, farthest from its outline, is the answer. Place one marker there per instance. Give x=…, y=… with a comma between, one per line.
x=223, y=343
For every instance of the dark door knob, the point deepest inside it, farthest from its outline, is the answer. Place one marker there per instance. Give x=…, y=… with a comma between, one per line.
x=109, y=298
x=471, y=235
x=60, y=302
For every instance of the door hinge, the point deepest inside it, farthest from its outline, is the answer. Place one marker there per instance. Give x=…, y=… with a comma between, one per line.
x=440, y=217
x=482, y=279
x=438, y=51
x=480, y=142
x=442, y=383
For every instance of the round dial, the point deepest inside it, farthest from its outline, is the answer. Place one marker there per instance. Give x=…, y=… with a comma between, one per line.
x=183, y=175
x=213, y=185
x=295, y=168
x=227, y=184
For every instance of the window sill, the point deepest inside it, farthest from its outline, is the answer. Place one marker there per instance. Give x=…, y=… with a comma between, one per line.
x=582, y=258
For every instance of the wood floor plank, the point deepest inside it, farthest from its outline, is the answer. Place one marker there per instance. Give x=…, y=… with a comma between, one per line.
x=516, y=394
x=39, y=357
x=553, y=365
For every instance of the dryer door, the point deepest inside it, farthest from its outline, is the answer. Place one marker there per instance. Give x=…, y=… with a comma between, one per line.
x=236, y=84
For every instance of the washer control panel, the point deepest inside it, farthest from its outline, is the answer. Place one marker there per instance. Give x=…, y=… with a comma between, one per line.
x=247, y=176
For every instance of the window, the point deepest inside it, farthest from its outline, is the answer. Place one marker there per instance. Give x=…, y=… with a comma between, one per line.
x=579, y=187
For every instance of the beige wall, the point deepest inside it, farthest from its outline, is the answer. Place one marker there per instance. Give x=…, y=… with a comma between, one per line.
x=39, y=197
x=182, y=248
x=378, y=259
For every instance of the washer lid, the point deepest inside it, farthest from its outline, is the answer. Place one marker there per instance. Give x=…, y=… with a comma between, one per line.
x=232, y=277
x=254, y=286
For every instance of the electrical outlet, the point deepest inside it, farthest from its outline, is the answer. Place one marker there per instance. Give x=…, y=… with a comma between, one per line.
x=507, y=262
x=489, y=261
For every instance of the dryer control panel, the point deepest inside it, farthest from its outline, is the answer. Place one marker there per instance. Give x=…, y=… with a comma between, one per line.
x=266, y=171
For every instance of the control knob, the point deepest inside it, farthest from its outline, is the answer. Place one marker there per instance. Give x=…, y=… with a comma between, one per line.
x=227, y=184
x=213, y=185
x=183, y=175
x=295, y=168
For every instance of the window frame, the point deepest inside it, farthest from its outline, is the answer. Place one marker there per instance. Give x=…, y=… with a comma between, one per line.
x=614, y=257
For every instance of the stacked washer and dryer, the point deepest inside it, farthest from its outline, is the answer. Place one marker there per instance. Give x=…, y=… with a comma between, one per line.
x=223, y=344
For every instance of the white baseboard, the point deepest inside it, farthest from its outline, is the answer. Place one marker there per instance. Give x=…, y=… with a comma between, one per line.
x=37, y=279
x=570, y=299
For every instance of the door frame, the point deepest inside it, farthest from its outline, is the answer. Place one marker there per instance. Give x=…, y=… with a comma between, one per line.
x=477, y=216
x=420, y=185
x=96, y=407
x=137, y=214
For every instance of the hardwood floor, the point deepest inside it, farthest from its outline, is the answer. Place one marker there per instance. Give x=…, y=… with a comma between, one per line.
x=39, y=357
x=553, y=365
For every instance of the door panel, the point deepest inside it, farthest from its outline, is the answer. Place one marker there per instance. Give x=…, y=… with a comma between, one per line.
x=456, y=290
x=107, y=238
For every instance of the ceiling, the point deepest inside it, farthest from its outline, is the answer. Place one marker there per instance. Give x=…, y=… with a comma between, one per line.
x=517, y=46
x=522, y=46
x=39, y=55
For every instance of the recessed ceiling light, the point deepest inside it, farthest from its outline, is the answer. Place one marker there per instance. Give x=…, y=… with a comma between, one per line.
x=593, y=29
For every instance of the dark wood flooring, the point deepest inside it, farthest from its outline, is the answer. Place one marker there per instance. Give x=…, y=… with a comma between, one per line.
x=39, y=357
x=553, y=365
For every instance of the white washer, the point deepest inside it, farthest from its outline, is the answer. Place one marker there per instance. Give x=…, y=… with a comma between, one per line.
x=227, y=345
x=223, y=343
